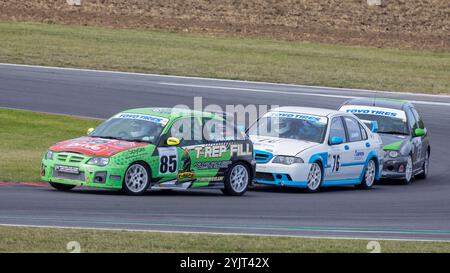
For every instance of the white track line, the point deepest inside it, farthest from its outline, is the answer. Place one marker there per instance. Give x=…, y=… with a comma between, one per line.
x=229, y=233
x=226, y=80
x=293, y=93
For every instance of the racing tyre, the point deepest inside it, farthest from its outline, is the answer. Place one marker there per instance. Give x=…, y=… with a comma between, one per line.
x=237, y=180
x=314, y=178
x=408, y=171
x=136, y=180
x=425, y=167
x=369, y=175
x=62, y=187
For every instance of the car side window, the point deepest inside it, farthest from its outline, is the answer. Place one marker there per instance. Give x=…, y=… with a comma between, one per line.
x=188, y=130
x=363, y=132
x=337, y=129
x=412, y=122
x=353, y=129
x=215, y=130
x=418, y=118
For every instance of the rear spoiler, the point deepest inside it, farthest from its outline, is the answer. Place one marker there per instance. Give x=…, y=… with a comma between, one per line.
x=372, y=124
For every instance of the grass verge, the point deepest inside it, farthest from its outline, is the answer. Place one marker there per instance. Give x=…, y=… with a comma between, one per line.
x=20, y=239
x=160, y=52
x=26, y=136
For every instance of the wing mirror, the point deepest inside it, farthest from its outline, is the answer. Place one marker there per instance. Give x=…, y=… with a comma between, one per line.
x=336, y=140
x=419, y=132
x=173, y=141
x=90, y=130
x=374, y=126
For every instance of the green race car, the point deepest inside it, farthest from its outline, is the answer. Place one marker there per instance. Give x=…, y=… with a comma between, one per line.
x=158, y=148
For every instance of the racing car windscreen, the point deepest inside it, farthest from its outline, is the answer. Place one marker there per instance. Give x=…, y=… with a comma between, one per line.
x=290, y=128
x=387, y=125
x=129, y=130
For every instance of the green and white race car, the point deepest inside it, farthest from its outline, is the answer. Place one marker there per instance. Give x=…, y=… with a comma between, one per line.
x=158, y=148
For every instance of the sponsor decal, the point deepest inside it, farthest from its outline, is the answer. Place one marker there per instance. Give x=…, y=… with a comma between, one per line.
x=213, y=165
x=312, y=118
x=185, y=175
x=376, y=111
x=359, y=155
x=217, y=150
x=211, y=179
x=150, y=118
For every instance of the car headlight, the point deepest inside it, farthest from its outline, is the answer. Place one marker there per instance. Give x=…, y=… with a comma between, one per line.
x=49, y=155
x=287, y=160
x=393, y=154
x=98, y=161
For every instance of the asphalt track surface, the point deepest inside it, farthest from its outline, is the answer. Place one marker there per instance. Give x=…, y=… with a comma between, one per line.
x=420, y=211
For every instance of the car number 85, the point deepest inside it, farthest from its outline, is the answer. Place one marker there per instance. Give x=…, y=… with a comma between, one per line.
x=168, y=160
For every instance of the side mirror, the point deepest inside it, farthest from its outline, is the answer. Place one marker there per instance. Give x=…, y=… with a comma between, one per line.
x=374, y=127
x=90, y=130
x=336, y=140
x=173, y=141
x=419, y=132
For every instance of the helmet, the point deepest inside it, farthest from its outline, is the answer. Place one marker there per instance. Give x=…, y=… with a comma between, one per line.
x=281, y=126
x=137, y=129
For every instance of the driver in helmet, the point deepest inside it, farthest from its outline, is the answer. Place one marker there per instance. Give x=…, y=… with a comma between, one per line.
x=282, y=127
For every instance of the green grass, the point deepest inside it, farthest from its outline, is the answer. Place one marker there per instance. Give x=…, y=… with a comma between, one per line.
x=26, y=136
x=233, y=58
x=15, y=239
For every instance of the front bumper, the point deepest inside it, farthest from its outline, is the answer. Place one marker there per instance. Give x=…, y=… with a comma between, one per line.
x=295, y=175
x=394, y=167
x=91, y=176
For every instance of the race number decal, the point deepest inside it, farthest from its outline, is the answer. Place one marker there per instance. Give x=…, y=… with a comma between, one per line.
x=336, y=163
x=168, y=160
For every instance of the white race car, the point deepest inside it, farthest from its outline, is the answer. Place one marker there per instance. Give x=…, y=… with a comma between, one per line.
x=312, y=148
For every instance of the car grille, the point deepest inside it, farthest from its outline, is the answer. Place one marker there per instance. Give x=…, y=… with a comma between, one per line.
x=264, y=176
x=70, y=157
x=68, y=176
x=262, y=157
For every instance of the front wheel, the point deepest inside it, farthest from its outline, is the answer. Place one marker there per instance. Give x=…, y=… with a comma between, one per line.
x=408, y=171
x=369, y=175
x=62, y=187
x=136, y=180
x=314, y=178
x=237, y=180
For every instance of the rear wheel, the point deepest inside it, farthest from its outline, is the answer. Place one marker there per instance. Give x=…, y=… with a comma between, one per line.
x=369, y=175
x=408, y=171
x=237, y=180
x=62, y=187
x=136, y=180
x=314, y=178
x=425, y=167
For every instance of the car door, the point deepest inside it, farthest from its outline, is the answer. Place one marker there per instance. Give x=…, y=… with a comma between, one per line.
x=359, y=147
x=176, y=162
x=339, y=156
x=418, y=142
x=216, y=155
